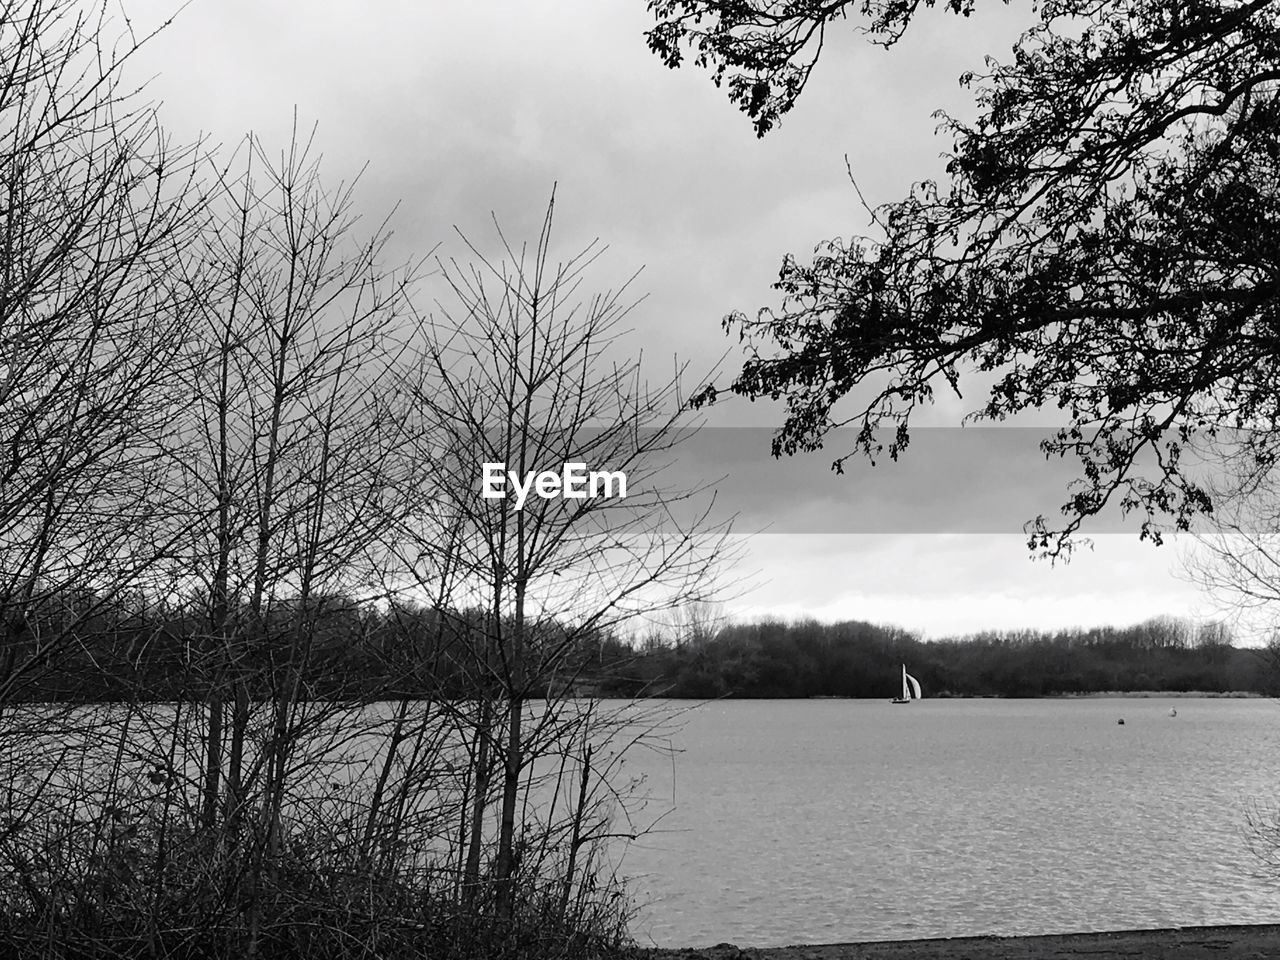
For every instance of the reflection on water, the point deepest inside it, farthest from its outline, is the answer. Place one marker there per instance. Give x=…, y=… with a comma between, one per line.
x=836, y=820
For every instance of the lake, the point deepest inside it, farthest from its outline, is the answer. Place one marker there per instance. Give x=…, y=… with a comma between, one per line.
x=817, y=821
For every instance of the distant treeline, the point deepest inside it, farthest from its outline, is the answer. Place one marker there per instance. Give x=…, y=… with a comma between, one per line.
x=131, y=650
x=772, y=658
x=331, y=647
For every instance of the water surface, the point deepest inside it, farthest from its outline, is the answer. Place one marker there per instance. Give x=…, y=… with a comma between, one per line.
x=833, y=820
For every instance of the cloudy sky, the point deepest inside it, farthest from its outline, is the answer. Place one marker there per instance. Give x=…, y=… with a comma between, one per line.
x=458, y=110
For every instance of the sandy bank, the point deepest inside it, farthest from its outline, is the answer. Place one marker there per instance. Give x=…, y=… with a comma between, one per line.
x=1184, y=943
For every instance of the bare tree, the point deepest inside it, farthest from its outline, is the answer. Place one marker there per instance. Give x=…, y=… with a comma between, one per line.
x=696, y=624
x=521, y=369
x=1236, y=555
x=283, y=454
x=96, y=211
x=214, y=454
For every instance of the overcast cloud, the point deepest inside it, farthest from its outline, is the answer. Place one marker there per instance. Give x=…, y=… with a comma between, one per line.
x=460, y=109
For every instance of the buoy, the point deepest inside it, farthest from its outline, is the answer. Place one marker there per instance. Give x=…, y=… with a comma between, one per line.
x=1121, y=721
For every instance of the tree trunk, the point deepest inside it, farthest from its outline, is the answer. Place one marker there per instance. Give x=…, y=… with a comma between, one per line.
x=213, y=761
x=380, y=788
x=575, y=841
x=471, y=874
x=506, y=867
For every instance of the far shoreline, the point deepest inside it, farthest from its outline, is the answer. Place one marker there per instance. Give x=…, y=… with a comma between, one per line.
x=1090, y=695
x=1221, y=942
x=1160, y=695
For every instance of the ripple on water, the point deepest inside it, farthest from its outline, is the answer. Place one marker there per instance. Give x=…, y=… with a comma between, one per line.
x=821, y=821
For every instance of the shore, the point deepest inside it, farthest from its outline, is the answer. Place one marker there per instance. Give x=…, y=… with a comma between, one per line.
x=1166, y=694
x=1245, y=942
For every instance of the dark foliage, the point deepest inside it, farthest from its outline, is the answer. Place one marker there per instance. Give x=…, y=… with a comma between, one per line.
x=1104, y=245
x=129, y=650
x=160, y=889
x=362, y=652
x=852, y=659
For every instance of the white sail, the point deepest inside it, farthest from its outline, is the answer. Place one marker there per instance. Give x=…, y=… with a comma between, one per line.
x=907, y=678
x=910, y=688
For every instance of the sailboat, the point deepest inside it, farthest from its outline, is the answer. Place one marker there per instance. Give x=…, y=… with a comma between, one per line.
x=910, y=687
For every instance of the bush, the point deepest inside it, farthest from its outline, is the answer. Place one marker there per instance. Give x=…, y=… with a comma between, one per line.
x=134, y=883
